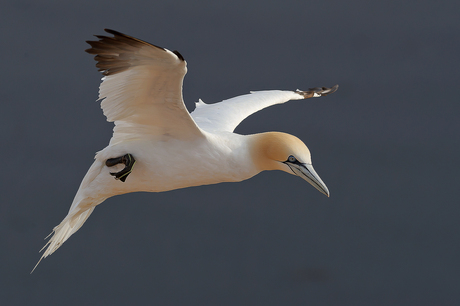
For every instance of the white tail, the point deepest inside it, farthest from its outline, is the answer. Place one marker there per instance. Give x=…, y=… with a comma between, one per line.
x=82, y=207
x=71, y=223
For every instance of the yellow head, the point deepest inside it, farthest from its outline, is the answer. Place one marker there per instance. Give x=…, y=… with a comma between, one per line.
x=281, y=151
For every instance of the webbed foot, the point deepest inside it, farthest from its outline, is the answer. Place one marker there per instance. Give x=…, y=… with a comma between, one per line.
x=128, y=160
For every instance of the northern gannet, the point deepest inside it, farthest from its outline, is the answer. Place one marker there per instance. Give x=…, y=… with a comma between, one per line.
x=157, y=145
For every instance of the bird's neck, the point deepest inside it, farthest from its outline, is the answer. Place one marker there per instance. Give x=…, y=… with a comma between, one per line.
x=264, y=150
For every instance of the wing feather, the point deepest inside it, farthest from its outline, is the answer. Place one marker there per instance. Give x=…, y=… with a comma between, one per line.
x=142, y=88
x=228, y=114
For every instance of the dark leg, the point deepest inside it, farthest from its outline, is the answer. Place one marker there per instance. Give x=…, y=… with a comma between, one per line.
x=126, y=159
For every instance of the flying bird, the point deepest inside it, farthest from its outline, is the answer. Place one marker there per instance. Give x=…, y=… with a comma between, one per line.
x=157, y=145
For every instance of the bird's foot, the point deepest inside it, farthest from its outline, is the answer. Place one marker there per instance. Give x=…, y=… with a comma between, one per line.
x=317, y=91
x=126, y=159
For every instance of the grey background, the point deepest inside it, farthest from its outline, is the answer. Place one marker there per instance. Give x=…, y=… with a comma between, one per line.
x=386, y=144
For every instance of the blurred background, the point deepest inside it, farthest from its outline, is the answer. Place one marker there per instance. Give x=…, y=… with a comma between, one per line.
x=386, y=144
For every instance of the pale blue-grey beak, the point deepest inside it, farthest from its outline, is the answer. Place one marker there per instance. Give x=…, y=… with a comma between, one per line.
x=309, y=174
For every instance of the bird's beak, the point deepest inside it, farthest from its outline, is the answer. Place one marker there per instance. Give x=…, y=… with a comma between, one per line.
x=309, y=174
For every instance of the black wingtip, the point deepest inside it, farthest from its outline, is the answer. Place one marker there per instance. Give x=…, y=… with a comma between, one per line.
x=326, y=91
x=113, y=32
x=179, y=55
x=110, y=51
x=317, y=91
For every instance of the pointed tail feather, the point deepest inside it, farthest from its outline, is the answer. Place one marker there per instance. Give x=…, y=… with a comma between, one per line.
x=71, y=223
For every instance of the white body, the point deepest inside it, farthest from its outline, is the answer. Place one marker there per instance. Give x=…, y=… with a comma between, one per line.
x=169, y=164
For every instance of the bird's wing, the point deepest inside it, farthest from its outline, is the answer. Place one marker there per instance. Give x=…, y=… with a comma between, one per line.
x=142, y=88
x=226, y=115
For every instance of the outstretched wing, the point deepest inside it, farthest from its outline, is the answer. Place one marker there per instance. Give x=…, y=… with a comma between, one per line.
x=226, y=115
x=142, y=88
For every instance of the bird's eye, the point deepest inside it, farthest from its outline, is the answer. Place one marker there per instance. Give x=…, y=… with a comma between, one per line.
x=292, y=159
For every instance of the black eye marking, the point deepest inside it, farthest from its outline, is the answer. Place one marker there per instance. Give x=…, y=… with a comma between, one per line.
x=291, y=159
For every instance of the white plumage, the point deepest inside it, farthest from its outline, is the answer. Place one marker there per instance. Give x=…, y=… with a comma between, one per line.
x=142, y=94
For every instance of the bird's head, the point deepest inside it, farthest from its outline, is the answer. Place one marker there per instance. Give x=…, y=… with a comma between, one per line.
x=281, y=151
